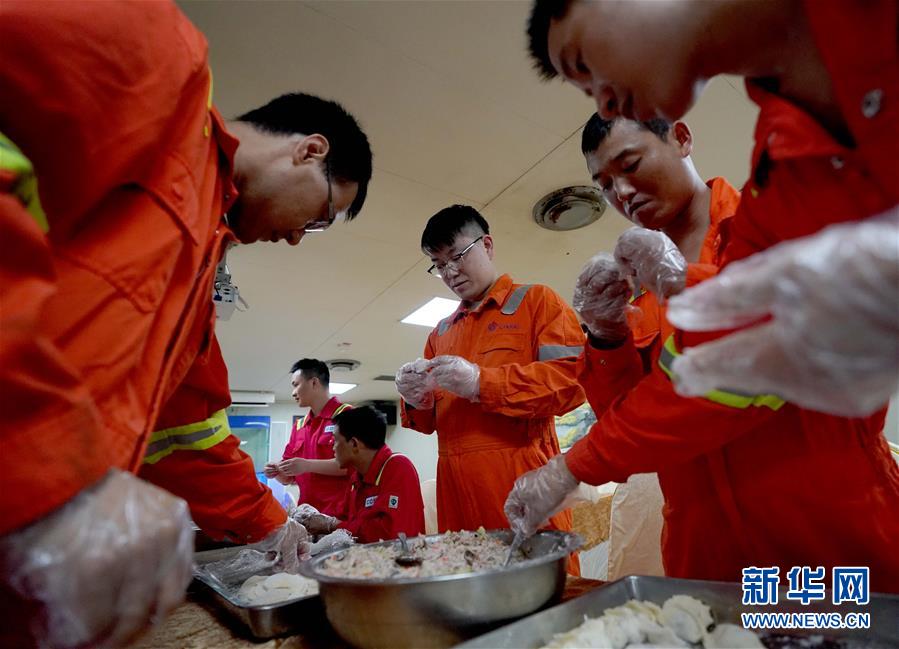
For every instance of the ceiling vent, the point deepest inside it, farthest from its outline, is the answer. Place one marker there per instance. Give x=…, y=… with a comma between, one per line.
x=342, y=364
x=569, y=208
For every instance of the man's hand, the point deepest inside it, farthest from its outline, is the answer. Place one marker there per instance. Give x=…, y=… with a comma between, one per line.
x=654, y=260
x=601, y=296
x=537, y=495
x=457, y=375
x=271, y=470
x=114, y=559
x=821, y=321
x=293, y=466
x=415, y=384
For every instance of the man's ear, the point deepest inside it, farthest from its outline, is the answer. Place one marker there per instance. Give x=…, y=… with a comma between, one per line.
x=682, y=137
x=488, y=245
x=310, y=147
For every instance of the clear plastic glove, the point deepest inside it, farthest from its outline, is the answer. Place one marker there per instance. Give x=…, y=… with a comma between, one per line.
x=457, y=375
x=537, y=495
x=415, y=384
x=313, y=520
x=601, y=296
x=653, y=260
x=280, y=551
x=101, y=568
x=828, y=312
x=336, y=539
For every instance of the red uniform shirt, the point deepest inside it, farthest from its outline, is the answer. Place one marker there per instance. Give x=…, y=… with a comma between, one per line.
x=108, y=317
x=385, y=501
x=313, y=439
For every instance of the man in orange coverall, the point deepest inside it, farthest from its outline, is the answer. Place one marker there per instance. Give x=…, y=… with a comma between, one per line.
x=645, y=171
x=107, y=317
x=764, y=482
x=496, y=373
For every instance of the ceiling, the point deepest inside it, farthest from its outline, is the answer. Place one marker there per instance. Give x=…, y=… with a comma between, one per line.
x=454, y=114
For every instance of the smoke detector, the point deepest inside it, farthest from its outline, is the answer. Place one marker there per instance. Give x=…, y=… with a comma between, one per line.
x=342, y=364
x=569, y=208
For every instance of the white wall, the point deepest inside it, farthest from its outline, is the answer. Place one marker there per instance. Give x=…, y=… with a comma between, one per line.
x=891, y=429
x=421, y=449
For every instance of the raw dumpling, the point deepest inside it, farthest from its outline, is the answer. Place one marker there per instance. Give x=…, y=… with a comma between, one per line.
x=687, y=616
x=731, y=636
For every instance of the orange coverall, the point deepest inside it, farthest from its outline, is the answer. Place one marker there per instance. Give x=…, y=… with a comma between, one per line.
x=526, y=341
x=785, y=487
x=107, y=320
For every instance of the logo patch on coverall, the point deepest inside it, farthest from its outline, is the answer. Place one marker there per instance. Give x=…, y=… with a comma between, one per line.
x=393, y=502
x=331, y=428
x=370, y=501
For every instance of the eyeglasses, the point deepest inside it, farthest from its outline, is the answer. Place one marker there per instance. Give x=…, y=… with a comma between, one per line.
x=455, y=261
x=320, y=225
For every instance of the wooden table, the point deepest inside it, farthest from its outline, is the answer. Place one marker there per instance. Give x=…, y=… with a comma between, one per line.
x=198, y=624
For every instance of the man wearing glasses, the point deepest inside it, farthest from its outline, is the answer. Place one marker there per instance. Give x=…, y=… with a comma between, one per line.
x=494, y=375
x=121, y=186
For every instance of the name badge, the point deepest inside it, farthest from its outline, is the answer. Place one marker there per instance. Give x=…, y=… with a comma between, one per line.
x=370, y=501
x=331, y=428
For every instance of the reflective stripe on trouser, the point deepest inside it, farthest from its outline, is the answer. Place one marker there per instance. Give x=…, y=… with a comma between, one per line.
x=14, y=162
x=192, y=437
x=726, y=397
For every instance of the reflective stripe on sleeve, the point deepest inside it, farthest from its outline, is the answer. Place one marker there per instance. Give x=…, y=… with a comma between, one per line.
x=515, y=300
x=14, y=162
x=192, y=437
x=552, y=352
x=725, y=397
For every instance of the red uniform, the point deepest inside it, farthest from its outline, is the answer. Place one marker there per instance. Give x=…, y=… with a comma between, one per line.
x=107, y=317
x=762, y=483
x=385, y=501
x=313, y=439
x=525, y=340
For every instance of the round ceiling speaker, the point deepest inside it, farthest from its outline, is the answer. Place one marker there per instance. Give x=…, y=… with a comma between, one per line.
x=569, y=208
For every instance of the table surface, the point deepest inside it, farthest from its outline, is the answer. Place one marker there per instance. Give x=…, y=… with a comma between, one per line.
x=198, y=624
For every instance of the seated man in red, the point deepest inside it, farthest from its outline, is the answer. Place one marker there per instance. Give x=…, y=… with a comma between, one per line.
x=384, y=496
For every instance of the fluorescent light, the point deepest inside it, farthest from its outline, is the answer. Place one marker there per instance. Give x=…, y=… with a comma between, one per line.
x=340, y=388
x=432, y=312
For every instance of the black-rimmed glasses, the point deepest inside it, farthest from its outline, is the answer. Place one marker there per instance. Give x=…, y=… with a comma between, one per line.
x=455, y=261
x=320, y=225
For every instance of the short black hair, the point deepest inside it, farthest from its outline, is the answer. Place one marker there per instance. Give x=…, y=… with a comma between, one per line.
x=443, y=228
x=312, y=368
x=543, y=12
x=596, y=129
x=365, y=423
x=297, y=113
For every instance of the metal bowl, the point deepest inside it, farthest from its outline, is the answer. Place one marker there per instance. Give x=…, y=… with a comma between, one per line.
x=442, y=611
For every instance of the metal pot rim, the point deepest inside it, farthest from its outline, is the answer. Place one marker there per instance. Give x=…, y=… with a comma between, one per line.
x=566, y=543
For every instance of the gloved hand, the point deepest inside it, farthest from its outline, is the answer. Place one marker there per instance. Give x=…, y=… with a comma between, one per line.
x=337, y=539
x=653, y=259
x=280, y=551
x=97, y=571
x=601, y=296
x=831, y=342
x=457, y=375
x=537, y=495
x=415, y=384
x=313, y=520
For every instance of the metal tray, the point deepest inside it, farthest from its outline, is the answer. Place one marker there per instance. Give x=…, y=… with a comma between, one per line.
x=725, y=600
x=306, y=614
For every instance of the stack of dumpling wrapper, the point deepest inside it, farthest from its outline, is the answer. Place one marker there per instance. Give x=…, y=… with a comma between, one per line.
x=279, y=587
